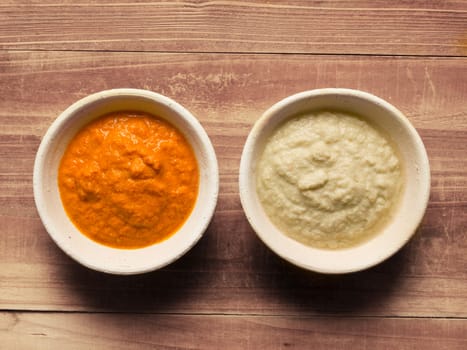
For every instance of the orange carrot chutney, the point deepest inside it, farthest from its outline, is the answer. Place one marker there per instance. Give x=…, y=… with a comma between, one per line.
x=128, y=180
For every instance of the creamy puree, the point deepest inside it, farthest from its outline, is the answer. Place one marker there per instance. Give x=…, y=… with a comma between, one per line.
x=128, y=180
x=328, y=179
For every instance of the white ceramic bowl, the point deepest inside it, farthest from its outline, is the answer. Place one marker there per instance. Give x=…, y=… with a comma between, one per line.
x=414, y=198
x=64, y=233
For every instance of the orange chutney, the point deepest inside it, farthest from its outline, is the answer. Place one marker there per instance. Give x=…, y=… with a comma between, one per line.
x=128, y=180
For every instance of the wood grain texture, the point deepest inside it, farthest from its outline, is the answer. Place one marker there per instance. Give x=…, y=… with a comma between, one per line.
x=124, y=331
x=230, y=271
x=343, y=27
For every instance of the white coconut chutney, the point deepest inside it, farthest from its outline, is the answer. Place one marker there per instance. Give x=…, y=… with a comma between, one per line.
x=329, y=179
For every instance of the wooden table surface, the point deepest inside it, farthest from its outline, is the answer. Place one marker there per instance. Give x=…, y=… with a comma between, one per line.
x=228, y=61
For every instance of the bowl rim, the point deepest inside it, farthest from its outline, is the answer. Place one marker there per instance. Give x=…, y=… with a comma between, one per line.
x=69, y=113
x=246, y=163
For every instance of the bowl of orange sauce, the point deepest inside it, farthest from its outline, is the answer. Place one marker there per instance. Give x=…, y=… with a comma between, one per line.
x=126, y=181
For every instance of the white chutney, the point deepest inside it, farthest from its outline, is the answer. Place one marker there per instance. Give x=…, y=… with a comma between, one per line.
x=329, y=179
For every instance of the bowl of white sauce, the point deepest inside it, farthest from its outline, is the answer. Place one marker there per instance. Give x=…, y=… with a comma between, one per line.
x=334, y=180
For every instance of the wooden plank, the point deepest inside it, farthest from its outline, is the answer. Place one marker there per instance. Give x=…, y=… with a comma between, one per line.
x=130, y=331
x=408, y=4
x=345, y=27
x=230, y=271
x=36, y=86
